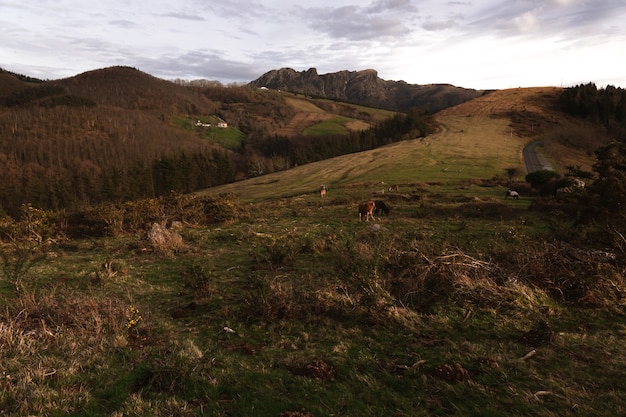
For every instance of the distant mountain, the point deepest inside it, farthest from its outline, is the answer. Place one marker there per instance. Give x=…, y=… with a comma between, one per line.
x=366, y=88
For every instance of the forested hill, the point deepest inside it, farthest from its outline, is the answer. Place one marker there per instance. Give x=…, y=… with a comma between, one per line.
x=366, y=88
x=605, y=105
x=100, y=136
x=117, y=134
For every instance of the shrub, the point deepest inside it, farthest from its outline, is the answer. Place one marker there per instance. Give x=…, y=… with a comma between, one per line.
x=18, y=259
x=162, y=240
x=538, y=178
x=571, y=275
x=222, y=208
x=198, y=279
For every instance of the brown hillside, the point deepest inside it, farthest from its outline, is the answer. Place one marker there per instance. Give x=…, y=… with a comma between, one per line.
x=132, y=89
x=130, y=120
x=476, y=139
x=9, y=83
x=533, y=115
x=69, y=140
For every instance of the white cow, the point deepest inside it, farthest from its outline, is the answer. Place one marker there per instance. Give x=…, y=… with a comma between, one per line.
x=511, y=193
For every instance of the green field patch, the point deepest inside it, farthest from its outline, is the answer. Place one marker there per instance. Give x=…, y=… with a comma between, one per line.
x=333, y=126
x=229, y=137
x=303, y=105
x=207, y=128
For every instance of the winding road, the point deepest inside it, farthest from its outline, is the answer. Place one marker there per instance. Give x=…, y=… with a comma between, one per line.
x=533, y=160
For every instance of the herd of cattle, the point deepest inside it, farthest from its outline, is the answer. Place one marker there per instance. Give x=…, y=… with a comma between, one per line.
x=369, y=208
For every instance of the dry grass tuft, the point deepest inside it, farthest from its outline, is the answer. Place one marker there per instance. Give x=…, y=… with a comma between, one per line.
x=163, y=240
x=572, y=275
x=47, y=341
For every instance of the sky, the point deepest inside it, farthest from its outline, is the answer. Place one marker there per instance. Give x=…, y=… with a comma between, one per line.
x=481, y=44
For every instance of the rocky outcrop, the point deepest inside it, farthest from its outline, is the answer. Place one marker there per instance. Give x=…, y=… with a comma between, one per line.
x=366, y=88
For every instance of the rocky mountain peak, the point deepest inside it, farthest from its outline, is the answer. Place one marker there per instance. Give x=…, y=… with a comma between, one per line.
x=366, y=88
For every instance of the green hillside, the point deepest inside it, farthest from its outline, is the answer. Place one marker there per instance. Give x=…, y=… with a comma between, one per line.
x=261, y=298
x=476, y=140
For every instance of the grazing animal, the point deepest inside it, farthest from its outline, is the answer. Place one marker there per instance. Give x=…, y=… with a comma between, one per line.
x=512, y=193
x=393, y=188
x=366, y=210
x=380, y=206
x=323, y=191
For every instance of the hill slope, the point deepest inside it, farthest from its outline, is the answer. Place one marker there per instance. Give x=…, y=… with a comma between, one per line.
x=119, y=133
x=480, y=138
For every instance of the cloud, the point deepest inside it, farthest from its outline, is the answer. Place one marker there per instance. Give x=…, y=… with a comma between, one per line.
x=527, y=22
x=544, y=18
x=383, y=6
x=380, y=20
x=420, y=41
x=437, y=25
x=212, y=65
x=184, y=16
x=123, y=23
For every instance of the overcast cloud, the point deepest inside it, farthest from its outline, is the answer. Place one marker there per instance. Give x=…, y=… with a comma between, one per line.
x=476, y=44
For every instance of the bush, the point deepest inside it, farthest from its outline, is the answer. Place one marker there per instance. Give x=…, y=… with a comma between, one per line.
x=222, y=208
x=538, y=178
x=571, y=275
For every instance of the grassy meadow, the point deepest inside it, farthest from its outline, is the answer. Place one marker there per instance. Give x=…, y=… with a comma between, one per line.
x=263, y=299
x=465, y=148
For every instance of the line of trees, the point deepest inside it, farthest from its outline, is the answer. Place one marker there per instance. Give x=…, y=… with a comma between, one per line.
x=607, y=105
x=84, y=183
x=265, y=154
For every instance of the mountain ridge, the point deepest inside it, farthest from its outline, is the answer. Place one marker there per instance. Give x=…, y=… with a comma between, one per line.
x=366, y=88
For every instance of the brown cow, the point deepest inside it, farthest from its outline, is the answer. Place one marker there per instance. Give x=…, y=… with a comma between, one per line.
x=323, y=190
x=366, y=210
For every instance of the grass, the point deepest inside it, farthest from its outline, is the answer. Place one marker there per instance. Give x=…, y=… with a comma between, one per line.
x=334, y=126
x=228, y=137
x=296, y=307
x=326, y=117
x=465, y=148
x=280, y=303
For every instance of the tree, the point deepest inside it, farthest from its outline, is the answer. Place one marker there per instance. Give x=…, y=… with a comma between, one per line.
x=538, y=178
x=512, y=172
x=610, y=186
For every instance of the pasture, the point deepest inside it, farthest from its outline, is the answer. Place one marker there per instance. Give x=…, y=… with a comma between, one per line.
x=274, y=301
x=229, y=137
x=326, y=117
x=465, y=148
x=454, y=303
